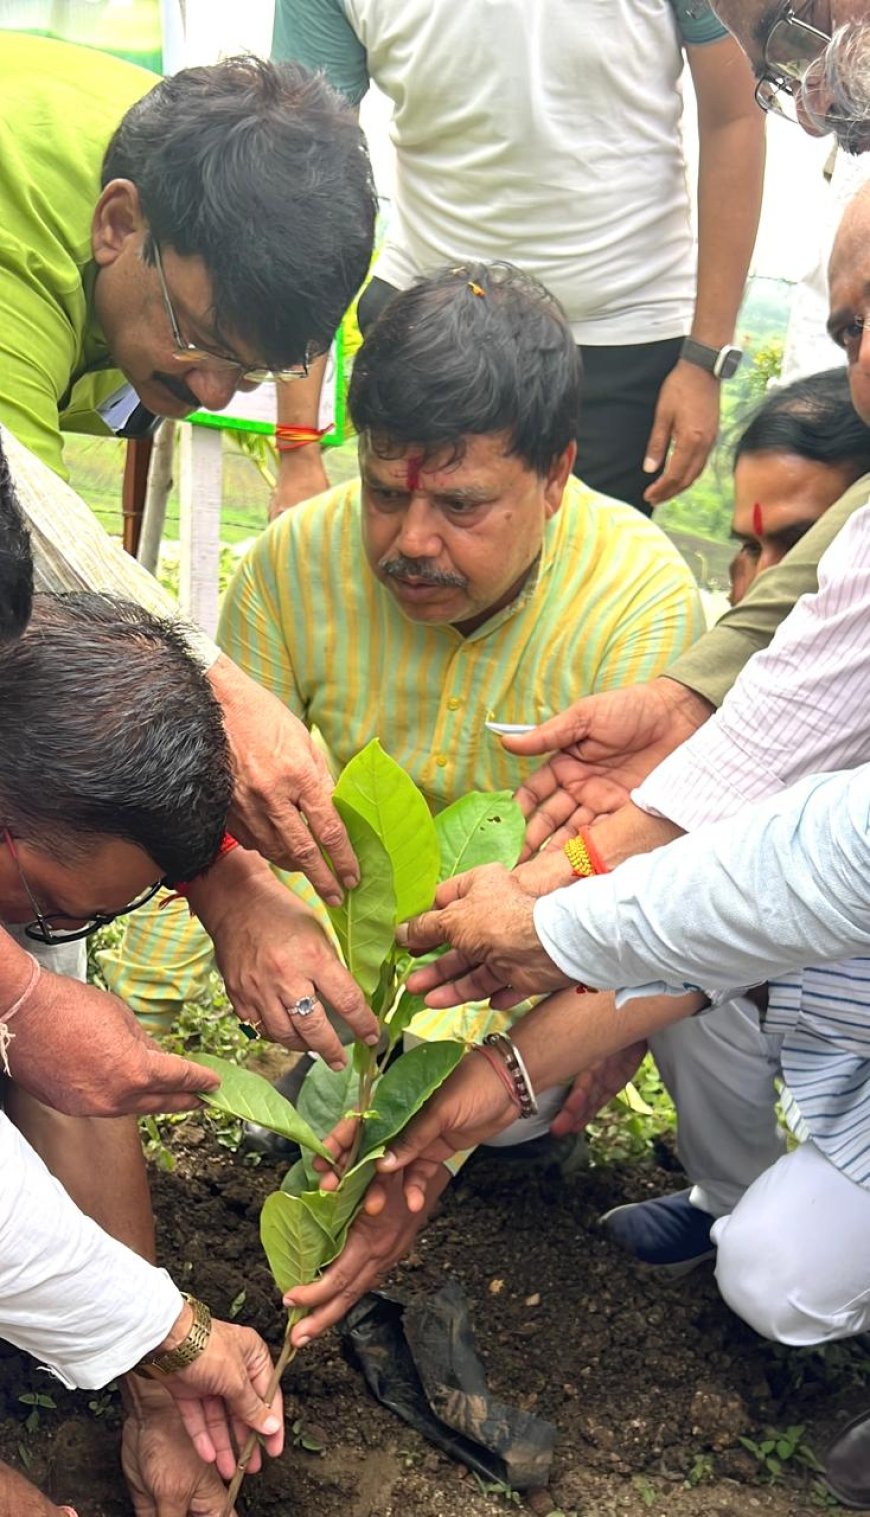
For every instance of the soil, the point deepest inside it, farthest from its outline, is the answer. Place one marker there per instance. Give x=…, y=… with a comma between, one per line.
x=651, y=1382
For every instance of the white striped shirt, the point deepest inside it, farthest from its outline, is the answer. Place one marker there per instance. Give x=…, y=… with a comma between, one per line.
x=801, y=706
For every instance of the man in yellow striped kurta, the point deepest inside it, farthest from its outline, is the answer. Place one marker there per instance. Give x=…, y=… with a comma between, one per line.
x=466, y=577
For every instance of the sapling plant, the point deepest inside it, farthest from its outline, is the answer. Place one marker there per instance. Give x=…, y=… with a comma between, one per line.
x=403, y=853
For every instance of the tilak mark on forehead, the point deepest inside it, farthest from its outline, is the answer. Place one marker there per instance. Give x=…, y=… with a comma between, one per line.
x=412, y=476
x=757, y=523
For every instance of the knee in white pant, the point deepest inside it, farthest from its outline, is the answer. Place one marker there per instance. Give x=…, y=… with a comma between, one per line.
x=767, y=1287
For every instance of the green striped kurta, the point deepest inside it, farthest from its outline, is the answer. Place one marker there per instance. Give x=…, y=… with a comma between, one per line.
x=611, y=603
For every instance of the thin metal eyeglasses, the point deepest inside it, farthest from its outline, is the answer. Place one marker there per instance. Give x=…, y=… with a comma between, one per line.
x=189, y=353
x=791, y=48
x=43, y=929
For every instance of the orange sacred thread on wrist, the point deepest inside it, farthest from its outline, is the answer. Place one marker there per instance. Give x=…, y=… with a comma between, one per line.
x=598, y=864
x=288, y=437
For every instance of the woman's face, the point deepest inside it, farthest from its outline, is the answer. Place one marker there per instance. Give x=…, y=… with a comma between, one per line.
x=777, y=498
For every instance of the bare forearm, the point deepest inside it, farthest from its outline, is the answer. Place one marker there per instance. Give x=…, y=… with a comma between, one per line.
x=629, y=831
x=568, y=1032
x=18, y=1498
x=730, y=180
x=99, y=1163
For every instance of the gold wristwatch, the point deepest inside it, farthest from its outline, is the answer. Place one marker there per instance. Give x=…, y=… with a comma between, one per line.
x=189, y=1349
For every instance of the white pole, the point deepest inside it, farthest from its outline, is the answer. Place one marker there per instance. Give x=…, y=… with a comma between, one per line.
x=200, y=479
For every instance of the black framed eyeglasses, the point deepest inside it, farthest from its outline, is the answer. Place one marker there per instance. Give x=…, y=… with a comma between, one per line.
x=50, y=929
x=791, y=48
x=189, y=353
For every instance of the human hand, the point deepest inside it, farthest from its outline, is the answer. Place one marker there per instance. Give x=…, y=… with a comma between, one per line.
x=381, y=1234
x=272, y=952
x=686, y=421
x=19, y=1497
x=594, y=1087
x=607, y=744
x=81, y=1051
x=220, y=1395
x=282, y=783
x=470, y=1107
x=487, y=918
x=300, y=475
x=163, y=1471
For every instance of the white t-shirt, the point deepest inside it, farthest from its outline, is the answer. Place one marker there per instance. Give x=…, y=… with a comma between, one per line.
x=544, y=132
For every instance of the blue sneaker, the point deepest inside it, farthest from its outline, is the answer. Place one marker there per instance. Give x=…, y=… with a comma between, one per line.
x=668, y=1233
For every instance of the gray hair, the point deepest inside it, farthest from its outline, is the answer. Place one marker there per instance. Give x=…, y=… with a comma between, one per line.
x=842, y=74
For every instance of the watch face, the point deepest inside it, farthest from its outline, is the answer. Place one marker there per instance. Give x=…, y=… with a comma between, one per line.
x=729, y=362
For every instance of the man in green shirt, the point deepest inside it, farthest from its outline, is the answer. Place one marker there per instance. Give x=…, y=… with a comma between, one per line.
x=163, y=245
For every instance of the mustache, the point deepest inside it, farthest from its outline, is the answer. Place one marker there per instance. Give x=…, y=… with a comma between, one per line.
x=420, y=569
x=178, y=388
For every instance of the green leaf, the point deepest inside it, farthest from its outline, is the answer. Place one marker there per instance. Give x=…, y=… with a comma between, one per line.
x=296, y=1179
x=479, y=829
x=630, y=1097
x=365, y=922
x=327, y=1094
x=379, y=790
x=407, y=1084
x=407, y=1007
x=247, y=1095
x=294, y=1242
x=334, y=1210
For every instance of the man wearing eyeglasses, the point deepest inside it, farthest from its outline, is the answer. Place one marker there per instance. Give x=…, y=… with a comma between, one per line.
x=810, y=61
x=162, y=245
x=166, y=243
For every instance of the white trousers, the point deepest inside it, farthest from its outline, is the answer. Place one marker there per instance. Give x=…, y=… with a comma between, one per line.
x=793, y=1232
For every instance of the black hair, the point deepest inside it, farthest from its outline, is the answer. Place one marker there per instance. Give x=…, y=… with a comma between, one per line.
x=16, y=559
x=110, y=728
x=261, y=170
x=476, y=349
x=813, y=418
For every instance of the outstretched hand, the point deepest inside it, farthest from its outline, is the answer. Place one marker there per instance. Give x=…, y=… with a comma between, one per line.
x=382, y=1233
x=602, y=746
x=486, y=917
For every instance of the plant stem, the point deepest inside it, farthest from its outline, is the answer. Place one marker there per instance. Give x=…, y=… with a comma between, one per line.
x=364, y=1098
x=287, y=1354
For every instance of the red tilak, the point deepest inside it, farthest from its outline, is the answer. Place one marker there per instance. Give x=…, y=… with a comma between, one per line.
x=412, y=477
x=757, y=524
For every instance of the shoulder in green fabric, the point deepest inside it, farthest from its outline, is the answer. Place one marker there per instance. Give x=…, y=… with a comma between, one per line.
x=318, y=34
x=59, y=105
x=697, y=22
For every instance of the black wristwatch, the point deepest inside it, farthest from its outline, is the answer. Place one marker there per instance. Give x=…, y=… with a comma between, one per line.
x=722, y=363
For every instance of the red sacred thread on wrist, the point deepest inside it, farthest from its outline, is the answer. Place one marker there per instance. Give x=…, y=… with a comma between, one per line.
x=227, y=844
x=595, y=858
x=496, y=1063
x=288, y=438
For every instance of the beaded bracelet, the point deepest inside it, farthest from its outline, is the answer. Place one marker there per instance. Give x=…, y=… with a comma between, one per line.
x=500, y=1068
x=513, y=1062
x=583, y=856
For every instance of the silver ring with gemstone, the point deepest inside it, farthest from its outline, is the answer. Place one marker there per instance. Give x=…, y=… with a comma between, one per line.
x=303, y=1007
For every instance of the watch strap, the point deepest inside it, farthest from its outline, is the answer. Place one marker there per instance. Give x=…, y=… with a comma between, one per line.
x=185, y=1352
x=722, y=363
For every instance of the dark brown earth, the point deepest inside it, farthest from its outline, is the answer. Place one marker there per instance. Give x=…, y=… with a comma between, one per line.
x=651, y=1382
